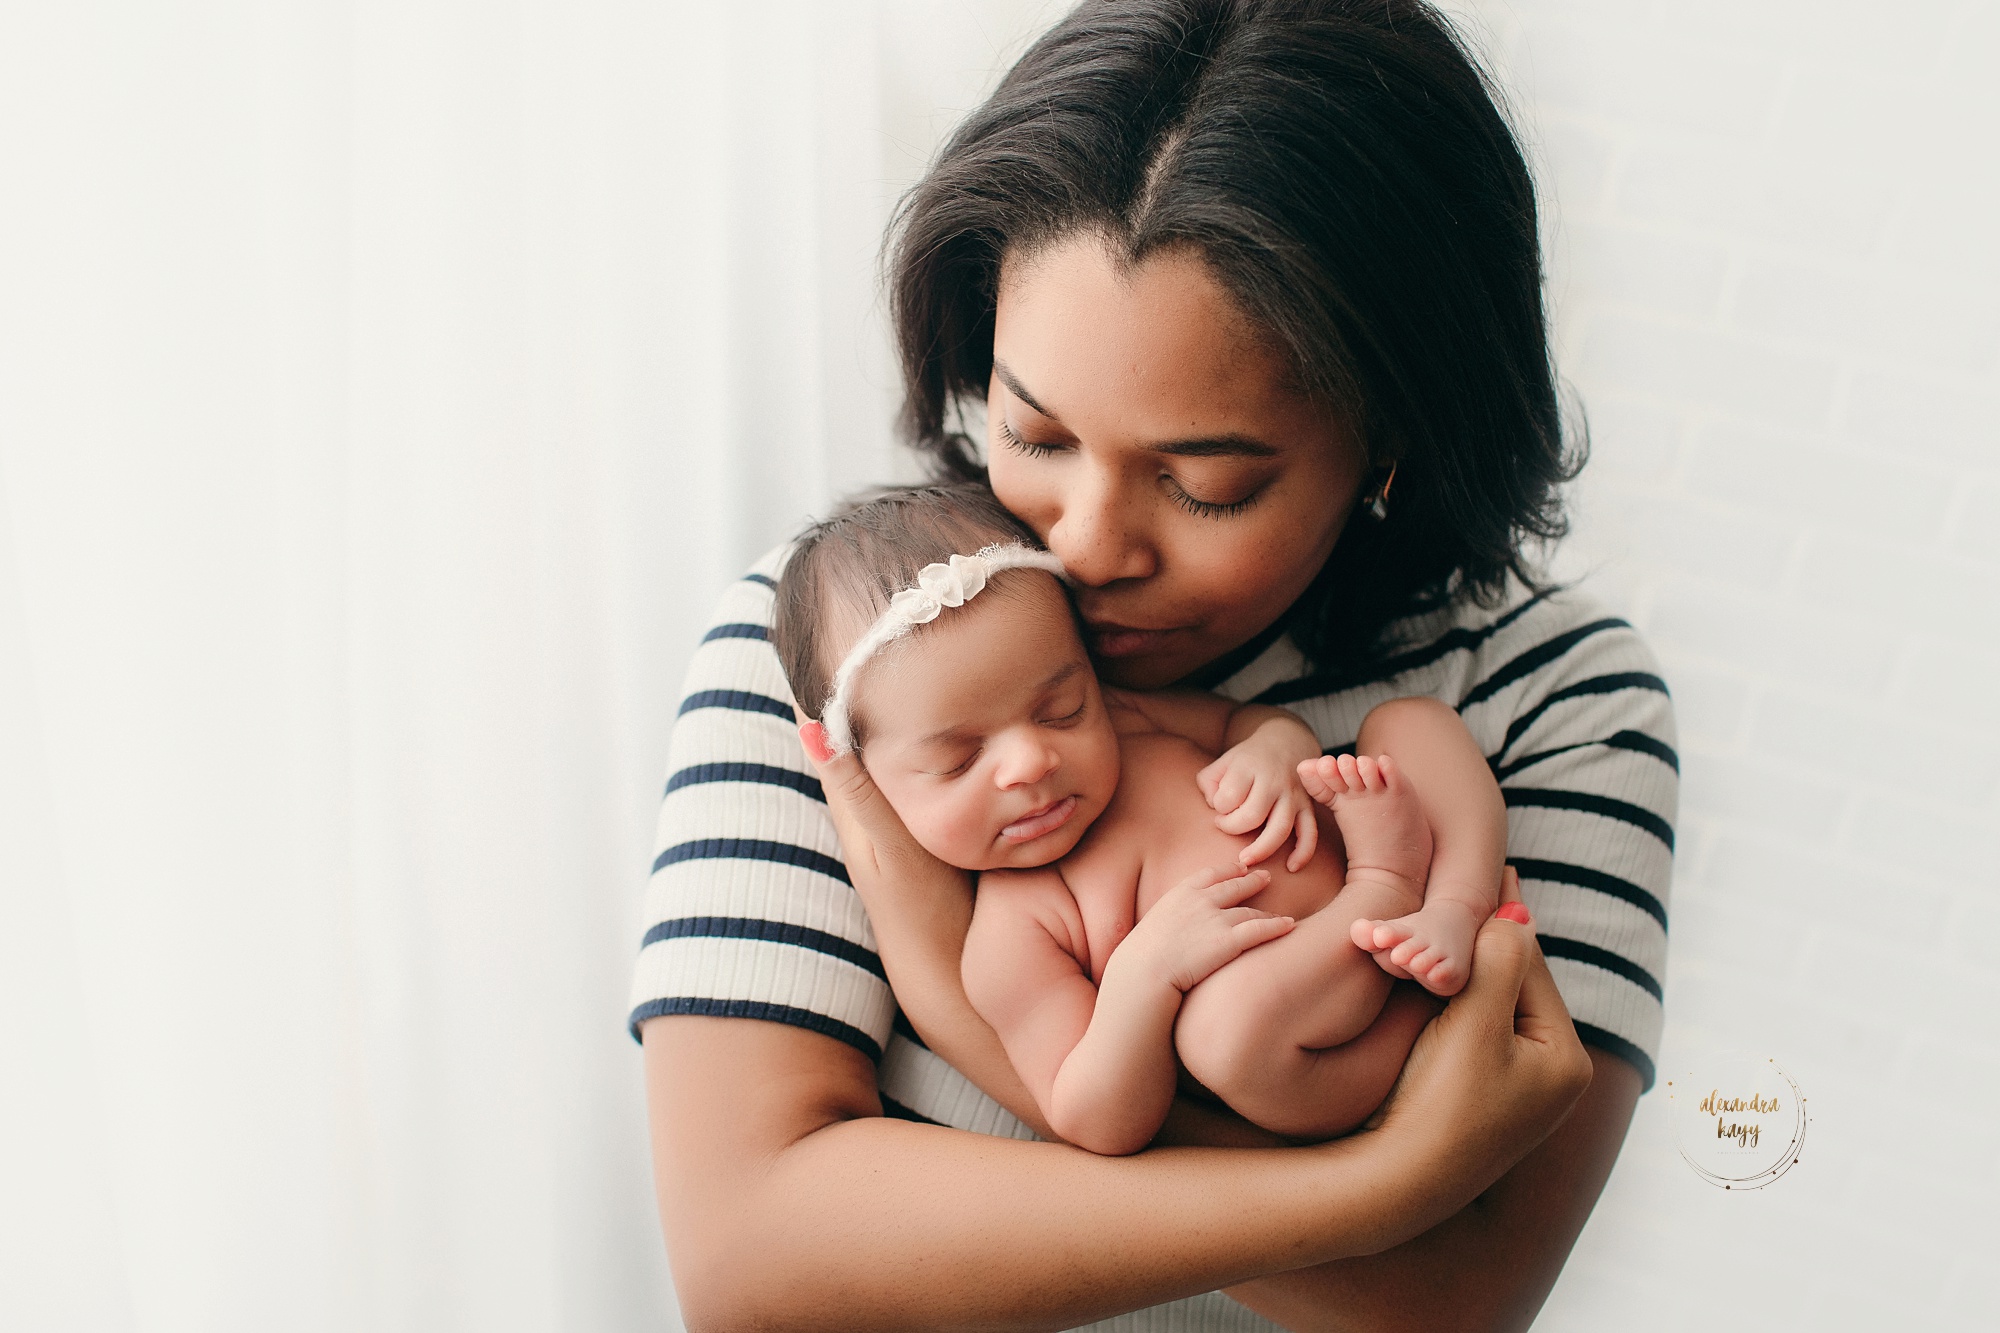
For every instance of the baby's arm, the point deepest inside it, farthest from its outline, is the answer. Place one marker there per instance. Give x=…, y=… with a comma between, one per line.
x=1099, y=1060
x=1428, y=751
x=1254, y=780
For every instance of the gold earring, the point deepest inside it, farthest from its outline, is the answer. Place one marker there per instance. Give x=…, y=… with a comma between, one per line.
x=1378, y=507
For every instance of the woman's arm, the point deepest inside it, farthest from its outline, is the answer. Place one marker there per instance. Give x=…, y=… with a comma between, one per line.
x=1497, y=1257
x=920, y=910
x=789, y=1202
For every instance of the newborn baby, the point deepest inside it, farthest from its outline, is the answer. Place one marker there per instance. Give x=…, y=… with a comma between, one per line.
x=1117, y=921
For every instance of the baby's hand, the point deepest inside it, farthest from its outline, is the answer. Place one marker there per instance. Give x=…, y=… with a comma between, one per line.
x=1257, y=783
x=1200, y=924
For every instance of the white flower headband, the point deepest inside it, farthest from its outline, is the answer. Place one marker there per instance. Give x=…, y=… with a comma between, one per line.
x=938, y=586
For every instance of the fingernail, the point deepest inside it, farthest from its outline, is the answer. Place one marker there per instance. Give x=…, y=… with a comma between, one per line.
x=812, y=735
x=1516, y=912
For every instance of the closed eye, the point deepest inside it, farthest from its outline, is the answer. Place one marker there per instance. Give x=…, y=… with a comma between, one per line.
x=1019, y=445
x=1070, y=718
x=959, y=769
x=1207, y=508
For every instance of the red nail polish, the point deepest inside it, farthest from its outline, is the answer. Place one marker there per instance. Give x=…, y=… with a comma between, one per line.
x=813, y=736
x=1516, y=912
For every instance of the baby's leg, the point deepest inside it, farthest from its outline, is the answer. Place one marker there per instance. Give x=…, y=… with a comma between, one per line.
x=1257, y=1023
x=1317, y=1094
x=1432, y=752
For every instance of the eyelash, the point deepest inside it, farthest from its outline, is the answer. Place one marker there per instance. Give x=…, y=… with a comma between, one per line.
x=1076, y=715
x=1199, y=508
x=1204, y=509
x=955, y=772
x=1019, y=445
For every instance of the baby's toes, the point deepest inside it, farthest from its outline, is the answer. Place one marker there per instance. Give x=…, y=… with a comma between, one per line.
x=1400, y=973
x=1423, y=960
x=1405, y=955
x=1390, y=934
x=1447, y=976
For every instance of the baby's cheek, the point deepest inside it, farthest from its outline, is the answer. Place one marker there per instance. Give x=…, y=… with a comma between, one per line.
x=955, y=832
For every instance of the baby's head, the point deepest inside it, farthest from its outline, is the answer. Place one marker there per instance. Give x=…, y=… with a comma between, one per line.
x=983, y=725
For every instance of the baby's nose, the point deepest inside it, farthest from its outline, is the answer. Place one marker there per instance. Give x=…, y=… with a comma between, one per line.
x=1027, y=759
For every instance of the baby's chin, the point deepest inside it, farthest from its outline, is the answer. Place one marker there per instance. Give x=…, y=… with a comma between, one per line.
x=1045, y=850
x=1001, y=854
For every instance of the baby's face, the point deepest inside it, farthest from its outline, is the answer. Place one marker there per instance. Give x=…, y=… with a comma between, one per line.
x=986, y=730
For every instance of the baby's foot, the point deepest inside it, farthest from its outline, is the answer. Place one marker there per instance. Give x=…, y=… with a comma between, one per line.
x=1432, y=944
x=1381, y=821
x=1388, y=842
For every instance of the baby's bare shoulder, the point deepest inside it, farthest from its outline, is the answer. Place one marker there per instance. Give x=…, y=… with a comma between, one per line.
x=1127, y=718
x=1159, y=761
x=1010, y=901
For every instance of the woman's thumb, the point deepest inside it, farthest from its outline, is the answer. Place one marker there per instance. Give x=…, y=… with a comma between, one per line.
x=1501, y=956
x=849, y=790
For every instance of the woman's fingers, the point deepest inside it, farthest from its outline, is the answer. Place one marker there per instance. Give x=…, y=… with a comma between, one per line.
x=1500, y=955
x=868, y=826
x=1539, y=1011
x=1521, y=994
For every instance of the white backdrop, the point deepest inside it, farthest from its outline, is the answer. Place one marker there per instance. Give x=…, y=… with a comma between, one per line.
x=386, y=389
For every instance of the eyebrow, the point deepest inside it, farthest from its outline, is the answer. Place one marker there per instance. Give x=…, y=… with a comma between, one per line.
x=1204, y=446
x=1056, y=678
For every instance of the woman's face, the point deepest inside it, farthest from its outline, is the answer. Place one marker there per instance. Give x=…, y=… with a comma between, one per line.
x=1161, y=449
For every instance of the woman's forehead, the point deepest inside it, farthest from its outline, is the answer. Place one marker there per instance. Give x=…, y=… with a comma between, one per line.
x=1077, y=327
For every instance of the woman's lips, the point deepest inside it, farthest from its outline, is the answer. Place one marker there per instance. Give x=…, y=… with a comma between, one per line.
x=1123, y=641
x=1037, y=822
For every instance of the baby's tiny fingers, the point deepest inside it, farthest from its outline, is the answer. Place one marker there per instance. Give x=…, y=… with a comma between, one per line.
x=1231, y=891
x=1243, y=818
x=1270, y=840
x=1306, y=829
x=1208, y=779
x=1262, y=930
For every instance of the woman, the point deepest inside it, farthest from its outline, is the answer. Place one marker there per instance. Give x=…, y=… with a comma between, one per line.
x=1251, y=292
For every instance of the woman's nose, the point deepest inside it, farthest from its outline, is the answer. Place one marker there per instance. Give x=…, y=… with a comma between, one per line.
x=1100, y=536
x=1025, y=758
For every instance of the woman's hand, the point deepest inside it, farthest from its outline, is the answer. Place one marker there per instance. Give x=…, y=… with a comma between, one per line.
x=1501, y=1067
x=881, y=855
x=920, y=909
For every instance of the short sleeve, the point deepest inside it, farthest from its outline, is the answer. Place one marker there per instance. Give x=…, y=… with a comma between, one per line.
x=1579, y=729
x=749, y=910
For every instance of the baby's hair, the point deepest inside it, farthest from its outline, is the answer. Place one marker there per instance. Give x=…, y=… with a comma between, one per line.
x=843, y=570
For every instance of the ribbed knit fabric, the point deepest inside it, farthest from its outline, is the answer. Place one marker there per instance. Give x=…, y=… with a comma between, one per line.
x=753, y=916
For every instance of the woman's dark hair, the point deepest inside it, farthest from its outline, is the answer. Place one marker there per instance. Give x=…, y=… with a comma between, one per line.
x=1345, y=171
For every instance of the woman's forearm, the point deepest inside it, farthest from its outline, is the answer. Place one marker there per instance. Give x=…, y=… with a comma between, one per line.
x=1498, y=1257
x=790, y=1203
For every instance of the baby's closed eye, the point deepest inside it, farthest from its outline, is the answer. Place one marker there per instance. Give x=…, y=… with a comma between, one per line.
x=954, y=764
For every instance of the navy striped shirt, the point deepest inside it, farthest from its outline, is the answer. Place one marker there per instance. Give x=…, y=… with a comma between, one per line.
x=751, y=914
